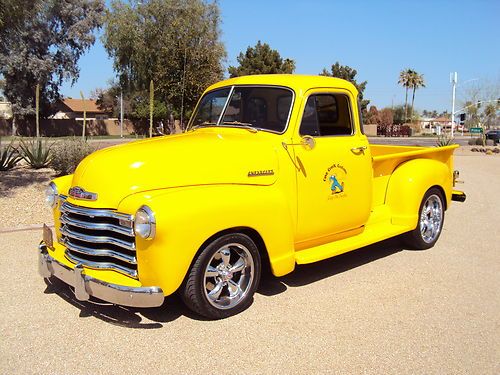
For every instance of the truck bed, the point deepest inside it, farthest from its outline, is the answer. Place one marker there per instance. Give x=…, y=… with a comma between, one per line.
x=386, y=159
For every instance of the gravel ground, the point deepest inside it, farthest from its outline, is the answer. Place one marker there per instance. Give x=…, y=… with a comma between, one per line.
x=22, y=197
x=381, y=309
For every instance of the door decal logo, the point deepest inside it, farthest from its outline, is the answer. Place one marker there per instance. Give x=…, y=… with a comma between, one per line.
x=336, y=176
x=336, y=185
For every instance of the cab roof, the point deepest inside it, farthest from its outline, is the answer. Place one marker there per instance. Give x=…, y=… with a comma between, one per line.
x=298, y=83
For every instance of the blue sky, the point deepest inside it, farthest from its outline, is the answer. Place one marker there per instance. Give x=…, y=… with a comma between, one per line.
x=377, y=38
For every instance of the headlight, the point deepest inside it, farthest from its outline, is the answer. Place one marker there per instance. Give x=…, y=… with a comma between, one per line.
x=51, y=195
x=145, y=223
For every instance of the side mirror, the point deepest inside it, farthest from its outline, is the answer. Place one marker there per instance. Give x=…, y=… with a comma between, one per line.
x=308, y=142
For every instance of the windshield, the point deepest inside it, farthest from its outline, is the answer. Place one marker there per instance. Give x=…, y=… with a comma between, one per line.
x=259, y=107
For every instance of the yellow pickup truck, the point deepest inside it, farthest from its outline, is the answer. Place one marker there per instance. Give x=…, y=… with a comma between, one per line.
x=272, y=170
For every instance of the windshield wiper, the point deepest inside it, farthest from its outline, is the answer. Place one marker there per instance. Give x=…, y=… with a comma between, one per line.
x=244, y=125
x=202, y=125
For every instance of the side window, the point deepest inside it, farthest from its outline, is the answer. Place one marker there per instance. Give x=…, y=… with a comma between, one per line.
x=326, y=114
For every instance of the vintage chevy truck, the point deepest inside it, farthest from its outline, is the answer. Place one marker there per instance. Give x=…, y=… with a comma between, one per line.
x=273, y=170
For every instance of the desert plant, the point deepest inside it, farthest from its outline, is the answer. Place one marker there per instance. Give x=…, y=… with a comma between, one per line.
x=36, y=153
x=444, y=140
x=68, y=154
x=9, y=157
x=477, y=141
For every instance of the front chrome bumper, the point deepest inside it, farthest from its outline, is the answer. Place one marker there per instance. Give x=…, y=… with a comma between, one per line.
x=86, y=286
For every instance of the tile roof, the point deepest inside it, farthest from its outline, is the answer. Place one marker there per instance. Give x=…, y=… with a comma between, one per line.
x=77, y=105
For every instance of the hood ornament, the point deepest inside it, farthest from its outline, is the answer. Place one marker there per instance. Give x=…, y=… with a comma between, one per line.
x=78, y=193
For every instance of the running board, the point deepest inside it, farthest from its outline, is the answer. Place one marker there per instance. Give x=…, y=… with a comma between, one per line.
x=374, y=233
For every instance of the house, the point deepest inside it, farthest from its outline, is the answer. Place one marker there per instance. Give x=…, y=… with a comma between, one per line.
x=73, y=109
x=430, y=125
x=443, y=121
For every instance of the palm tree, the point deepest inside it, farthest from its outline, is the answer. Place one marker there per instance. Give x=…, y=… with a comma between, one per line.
x=416, y=82
x=404, y=80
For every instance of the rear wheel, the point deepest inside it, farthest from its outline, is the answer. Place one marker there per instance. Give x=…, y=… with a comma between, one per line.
x=224, y=277
x=430, y=221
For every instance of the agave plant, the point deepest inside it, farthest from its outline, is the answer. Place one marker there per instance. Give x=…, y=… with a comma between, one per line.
x=444, y=140
x=9, y=156
x=36, y=153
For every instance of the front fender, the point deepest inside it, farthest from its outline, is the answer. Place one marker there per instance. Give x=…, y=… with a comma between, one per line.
x=187, y=217
x=408, y=184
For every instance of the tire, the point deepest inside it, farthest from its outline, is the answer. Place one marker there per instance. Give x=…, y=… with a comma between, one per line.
x=223, y=277
x=430, y=221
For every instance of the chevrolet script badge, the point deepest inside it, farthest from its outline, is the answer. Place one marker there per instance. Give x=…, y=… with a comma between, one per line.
x=79, y=193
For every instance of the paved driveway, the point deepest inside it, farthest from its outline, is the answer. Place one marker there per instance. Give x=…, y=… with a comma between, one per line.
x=382, y=309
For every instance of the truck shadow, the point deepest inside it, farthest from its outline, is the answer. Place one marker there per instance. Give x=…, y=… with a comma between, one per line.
x=173, y=308
x=309, y=273
x=123, y=316
x=21, y=177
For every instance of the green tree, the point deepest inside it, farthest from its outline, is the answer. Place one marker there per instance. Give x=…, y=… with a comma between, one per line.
x=399, y=116
x=490, y=114
x=349, y=74
x=416, y=82
x=261, y=59
x=472, y=112
x=41, y=42
x=405, y=79
x=175, y=43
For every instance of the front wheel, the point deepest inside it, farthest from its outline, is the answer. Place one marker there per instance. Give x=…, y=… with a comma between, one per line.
x=224, y=277
x=430, y=221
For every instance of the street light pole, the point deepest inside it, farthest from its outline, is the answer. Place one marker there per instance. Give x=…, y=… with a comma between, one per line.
x=453, y=78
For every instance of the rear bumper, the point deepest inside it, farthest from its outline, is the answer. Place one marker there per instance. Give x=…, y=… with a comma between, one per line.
x=86, y=286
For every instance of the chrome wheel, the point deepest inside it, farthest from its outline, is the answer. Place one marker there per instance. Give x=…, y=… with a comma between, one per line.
x=228, y=276
x=431, y=218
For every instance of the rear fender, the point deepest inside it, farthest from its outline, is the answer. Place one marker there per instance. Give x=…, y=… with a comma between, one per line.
x=408, y=184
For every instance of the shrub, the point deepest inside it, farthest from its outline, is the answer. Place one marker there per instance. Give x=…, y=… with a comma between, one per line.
x=9, y=157
x=36, y=152
x=478, y=141
x=68, y=154
x=444, y=140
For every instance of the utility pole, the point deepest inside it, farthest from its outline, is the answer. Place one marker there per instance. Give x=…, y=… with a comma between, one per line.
x=453, y=79
x=151, y=107
x=37, y=105
x=84, y=116
x=183, y=85
x=121, y=114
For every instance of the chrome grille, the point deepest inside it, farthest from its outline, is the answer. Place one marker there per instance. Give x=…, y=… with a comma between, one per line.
x=98, y=238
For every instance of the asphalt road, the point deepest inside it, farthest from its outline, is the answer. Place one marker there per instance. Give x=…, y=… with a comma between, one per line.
x=380, y=310
x=416, y=141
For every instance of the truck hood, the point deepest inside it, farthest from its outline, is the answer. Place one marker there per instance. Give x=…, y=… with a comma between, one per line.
x=201, y=157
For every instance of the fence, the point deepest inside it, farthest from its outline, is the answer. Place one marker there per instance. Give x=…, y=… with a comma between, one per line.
x=62, y=128
x=394, y=131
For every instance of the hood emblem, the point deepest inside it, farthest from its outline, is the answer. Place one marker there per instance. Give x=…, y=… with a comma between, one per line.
x=267, y=172
x=78, y=193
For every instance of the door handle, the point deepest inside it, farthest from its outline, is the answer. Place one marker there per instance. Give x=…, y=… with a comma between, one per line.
x=359, y=150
